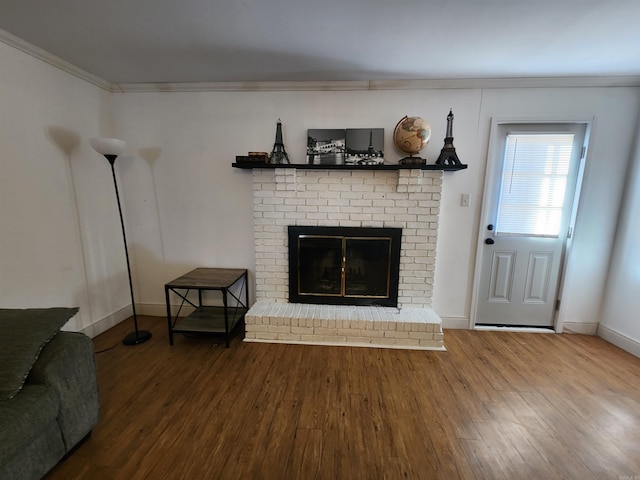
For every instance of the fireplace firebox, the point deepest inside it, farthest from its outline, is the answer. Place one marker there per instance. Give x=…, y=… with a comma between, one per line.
x=344, y=265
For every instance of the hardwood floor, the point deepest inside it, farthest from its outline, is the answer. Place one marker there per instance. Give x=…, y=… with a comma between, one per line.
x=495, y=405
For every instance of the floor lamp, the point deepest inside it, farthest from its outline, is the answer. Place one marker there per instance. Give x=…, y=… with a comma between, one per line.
x=111, y=148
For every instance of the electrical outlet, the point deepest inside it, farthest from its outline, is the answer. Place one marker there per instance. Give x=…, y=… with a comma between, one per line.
x=464, y=200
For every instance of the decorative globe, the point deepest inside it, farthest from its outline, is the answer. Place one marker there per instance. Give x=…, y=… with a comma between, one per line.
x=411, y=135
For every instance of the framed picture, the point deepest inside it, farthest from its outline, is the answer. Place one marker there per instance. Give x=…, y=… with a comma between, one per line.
x=326, y=146
x=351, y=146
x=365, y=146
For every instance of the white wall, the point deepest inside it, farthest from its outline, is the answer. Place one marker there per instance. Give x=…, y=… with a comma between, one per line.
x=60, y=243
x=188, y=207
x=620, y=319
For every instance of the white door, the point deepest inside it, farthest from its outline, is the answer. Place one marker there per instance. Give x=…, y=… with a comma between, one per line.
x=527, y=215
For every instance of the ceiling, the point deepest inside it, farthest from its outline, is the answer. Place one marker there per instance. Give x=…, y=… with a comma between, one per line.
x=173, y=41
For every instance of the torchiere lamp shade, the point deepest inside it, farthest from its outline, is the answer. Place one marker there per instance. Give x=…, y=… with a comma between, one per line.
x=108, y=146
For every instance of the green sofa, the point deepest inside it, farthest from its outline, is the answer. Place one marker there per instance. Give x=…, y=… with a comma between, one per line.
x=48, y=391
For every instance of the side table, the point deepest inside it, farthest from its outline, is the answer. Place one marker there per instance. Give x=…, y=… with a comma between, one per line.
x=208, y=319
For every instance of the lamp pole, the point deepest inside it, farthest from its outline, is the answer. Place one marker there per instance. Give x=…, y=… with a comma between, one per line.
x=110, y=148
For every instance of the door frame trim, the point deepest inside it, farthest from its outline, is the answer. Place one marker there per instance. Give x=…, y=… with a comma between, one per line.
x=490, y=172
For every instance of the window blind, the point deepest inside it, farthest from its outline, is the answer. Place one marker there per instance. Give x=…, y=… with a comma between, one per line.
x=534, y=182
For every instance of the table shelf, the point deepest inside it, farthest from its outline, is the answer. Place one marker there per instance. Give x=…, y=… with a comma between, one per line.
x=209, y=320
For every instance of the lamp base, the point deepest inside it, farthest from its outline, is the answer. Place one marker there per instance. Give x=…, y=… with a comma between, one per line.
x=136, y=338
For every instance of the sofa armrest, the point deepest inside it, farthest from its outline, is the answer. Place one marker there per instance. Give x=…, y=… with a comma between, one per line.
x=67, y=364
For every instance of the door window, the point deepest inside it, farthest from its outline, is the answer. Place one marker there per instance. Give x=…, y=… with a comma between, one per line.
x=534, y=182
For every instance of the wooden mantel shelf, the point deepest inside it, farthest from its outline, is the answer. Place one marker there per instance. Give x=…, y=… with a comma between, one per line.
x=304, y=166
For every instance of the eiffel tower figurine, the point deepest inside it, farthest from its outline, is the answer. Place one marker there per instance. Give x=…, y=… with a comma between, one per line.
x=448, y=154
x=279, y=154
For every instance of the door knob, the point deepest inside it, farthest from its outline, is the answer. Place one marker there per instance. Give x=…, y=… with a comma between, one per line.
x=489, y=241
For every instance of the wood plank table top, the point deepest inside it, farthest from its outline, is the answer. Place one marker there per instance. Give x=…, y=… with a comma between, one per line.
x=208, y=278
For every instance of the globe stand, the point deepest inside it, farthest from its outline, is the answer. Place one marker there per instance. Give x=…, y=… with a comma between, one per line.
x=411, y=160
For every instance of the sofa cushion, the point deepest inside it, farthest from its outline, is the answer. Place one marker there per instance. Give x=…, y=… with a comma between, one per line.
x=23, y=335
x=25, y=417
x=67, y=365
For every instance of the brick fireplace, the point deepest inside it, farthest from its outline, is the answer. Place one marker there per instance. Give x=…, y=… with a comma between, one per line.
x=407, y=199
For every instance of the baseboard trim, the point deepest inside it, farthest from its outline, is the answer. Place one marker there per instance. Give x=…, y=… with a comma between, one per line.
x=626, y=343
x=580, y=328
x=107, y=322
x=455, y=323
x=153, y=309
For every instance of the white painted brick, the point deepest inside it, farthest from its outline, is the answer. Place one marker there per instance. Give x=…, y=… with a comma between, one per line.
x=325, y=331
x=332, y=210
x=352, y=180
x=405, y=217
x=407, y=203
x=422, y=336
x=374, y=333
x=317, y=216
x=307, y=194
x=338, y=187
x=383, y=202
x=396, y=334
x=385, y=341
x=366, y=187
x=359, y=202
x=351, y=196
x=307, y=209
x=397, y=211
x=362, y=217
x=316, y=187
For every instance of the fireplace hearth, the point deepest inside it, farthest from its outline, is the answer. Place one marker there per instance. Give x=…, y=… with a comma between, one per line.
x=344, y=265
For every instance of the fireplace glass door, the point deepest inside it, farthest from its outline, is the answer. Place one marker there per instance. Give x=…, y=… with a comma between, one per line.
x=367, y=267
x=348, y=265
x=320, y=265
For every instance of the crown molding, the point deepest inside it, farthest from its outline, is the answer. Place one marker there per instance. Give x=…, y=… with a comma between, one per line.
x=424, y=84
x=509, y=82
x=290, y=86
x=26, y=47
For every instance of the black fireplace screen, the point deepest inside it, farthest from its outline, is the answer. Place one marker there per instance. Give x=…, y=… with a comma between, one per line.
x=344, y=265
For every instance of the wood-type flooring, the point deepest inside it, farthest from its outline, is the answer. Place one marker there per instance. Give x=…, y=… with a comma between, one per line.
x=495, y=405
